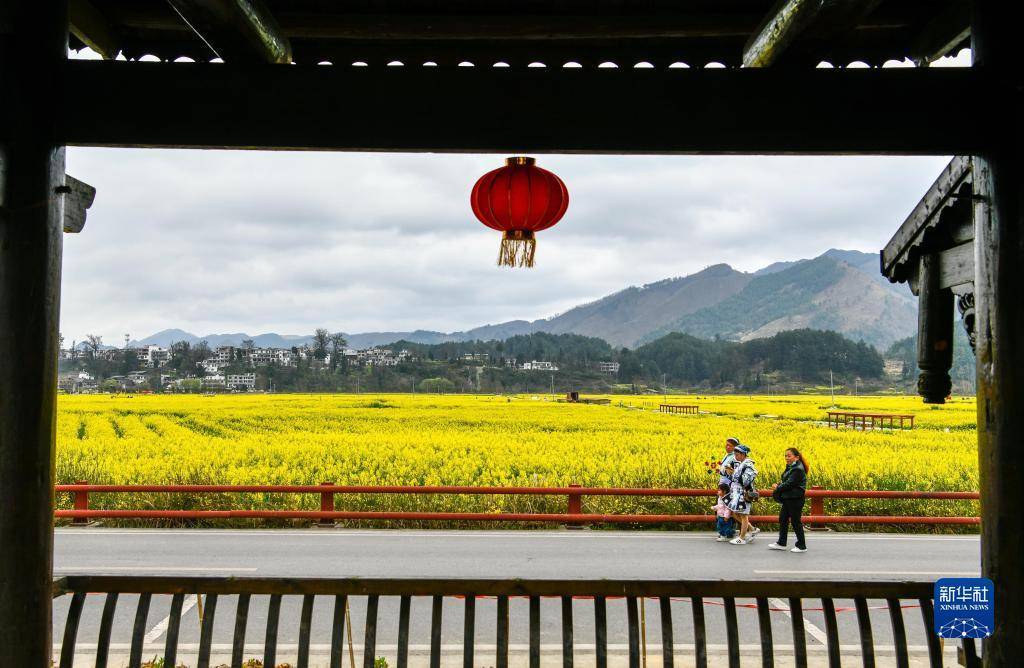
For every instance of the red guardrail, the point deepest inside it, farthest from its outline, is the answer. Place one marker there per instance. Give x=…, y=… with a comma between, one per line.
x=574, y=514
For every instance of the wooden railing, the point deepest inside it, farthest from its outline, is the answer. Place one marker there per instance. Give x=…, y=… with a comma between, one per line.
x=681, y=606
x=575, y=513
x=865, y=421
x=685, y=409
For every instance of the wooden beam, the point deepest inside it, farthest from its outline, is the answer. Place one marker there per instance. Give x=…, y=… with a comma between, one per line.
x=811, y=24
x=518, y=109
x=948, y=29
x=93, y=29
x=33, y=49
x=934, y=332
x=238, y=31
x=78, y=197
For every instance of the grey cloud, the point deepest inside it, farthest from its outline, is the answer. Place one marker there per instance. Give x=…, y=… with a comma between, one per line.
x=240, y=241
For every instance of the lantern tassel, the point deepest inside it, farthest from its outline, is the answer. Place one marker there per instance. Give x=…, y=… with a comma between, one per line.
x=517, y=249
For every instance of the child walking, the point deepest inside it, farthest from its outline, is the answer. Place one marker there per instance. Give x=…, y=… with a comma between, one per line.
x=725, y=525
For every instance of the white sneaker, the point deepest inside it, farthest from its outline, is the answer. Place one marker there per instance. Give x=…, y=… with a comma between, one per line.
x=737, y=541
x=799, y=549
x=722, y=539
x=776, y=546
x=755, y=530
x=751, y=536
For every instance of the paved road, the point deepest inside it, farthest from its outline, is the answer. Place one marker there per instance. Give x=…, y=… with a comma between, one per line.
x=534, y=554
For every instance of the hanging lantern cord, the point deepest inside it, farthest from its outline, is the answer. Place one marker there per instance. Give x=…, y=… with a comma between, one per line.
x=517, y=249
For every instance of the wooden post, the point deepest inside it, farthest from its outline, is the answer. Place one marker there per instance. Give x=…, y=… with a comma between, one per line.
x=33, y=51
x=326, y=505
x=81, y=502
x=934, y=333
x=574, y=507
x=999, y=284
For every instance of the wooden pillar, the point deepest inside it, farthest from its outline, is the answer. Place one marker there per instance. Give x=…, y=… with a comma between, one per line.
x=33, y=49
x=934, y=333
x=999, y=319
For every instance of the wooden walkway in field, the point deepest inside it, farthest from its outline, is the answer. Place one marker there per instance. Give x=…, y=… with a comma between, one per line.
x=678, y=408
x=865, y=421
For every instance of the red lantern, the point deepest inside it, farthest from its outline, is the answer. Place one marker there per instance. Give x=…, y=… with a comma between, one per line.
x=519, y=199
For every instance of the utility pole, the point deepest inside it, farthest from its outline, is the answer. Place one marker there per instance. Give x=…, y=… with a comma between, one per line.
x=831, y=387
x=664, y=386
x=552, y=385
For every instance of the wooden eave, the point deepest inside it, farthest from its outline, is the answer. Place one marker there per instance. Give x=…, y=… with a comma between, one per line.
x=588, y=32
x=939, y=221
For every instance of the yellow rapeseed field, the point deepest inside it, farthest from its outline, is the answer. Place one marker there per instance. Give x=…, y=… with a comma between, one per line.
x=496, y=440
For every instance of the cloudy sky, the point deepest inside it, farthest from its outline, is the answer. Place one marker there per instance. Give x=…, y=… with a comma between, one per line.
x=215, y=242
x=255, y=242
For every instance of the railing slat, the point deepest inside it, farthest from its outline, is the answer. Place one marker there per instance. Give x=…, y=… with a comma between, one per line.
x=700, y=635
x=534, y=632
x=338, y=630
x=867, y=643
x=934, y=649
x=468, y=631
x=634, y=632
x=139, y=630
x=241, y=623
x=370, y=631
x=436, y=613
x=601, y=631
x=206, y=631
x=796, y=616
x=764, y=623
x=106, y=624
x=305, y=625
x=832, y=633
x=404, y=607
x=173, y=626
x=270, y=641
x=732, y=632
x=899, y=632
x=667, y=639
x=971, y=659
x=67, y=648
x=567, y=643
x=501, y=632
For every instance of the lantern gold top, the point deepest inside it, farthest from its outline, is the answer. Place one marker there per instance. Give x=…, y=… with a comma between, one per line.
x=519, y=160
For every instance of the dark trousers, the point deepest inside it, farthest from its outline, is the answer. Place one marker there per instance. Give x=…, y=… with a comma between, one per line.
x=790, y=512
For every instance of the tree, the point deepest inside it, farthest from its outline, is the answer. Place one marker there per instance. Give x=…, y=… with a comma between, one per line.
x=321, y=339
x=94, y=341
x=338, y=344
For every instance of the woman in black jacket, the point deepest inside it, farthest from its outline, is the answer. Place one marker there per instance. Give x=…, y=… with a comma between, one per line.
x=790, y=493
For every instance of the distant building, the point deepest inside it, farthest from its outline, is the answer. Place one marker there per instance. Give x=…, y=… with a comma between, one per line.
x=213, y=381
x=539, y=366
x=241, y=381
x=893, y=368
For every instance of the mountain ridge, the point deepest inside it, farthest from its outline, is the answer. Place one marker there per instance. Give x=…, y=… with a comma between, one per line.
x=840, y=290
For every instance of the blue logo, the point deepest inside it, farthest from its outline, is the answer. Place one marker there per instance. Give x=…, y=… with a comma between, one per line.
x=964, y=608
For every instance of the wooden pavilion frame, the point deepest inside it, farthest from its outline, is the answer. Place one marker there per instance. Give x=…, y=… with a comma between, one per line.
x=778, y=103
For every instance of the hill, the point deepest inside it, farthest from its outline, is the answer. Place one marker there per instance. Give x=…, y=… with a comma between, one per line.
x=840, y=290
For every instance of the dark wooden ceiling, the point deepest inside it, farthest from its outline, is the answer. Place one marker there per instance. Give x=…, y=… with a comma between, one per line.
x=553, y=32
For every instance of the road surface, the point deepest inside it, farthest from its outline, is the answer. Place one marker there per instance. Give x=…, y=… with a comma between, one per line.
x=481, y=554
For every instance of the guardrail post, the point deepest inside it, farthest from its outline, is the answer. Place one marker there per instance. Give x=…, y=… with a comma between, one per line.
x=817, y=508
x=574, y=507
x=326, y=506
x=81, y=502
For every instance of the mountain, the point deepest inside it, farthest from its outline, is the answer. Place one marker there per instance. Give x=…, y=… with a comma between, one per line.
x=834, y=291
x=840, y=290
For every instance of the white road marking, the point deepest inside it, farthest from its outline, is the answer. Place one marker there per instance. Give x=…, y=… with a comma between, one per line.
x=491, y=535
x=801, y=571
x=198, y=569
x=811, y=629
x=161, y=627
